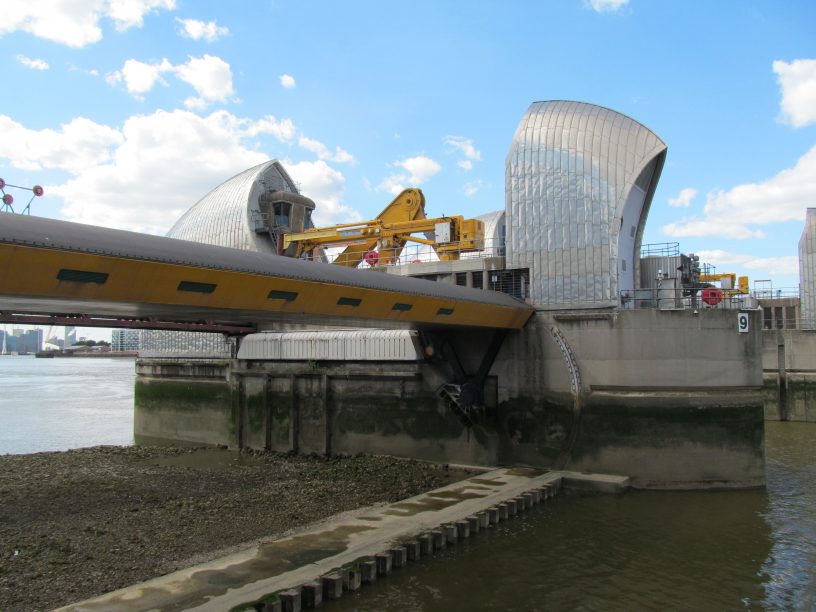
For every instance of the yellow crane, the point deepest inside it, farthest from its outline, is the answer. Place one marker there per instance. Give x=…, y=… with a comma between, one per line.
x=729, y=282
x=381, y=240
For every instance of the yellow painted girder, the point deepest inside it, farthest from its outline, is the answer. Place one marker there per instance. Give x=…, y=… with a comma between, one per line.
x=390, y=230
x=31, y=272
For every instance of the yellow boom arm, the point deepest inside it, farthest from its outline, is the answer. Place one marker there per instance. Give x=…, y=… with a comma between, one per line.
x=734, y=284
x=390, y=231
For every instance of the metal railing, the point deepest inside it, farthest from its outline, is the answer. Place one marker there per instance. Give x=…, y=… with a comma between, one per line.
x=681, y=299
x=775, y=294
x=660, y=249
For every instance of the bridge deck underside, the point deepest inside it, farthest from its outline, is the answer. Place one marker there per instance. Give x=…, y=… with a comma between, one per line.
x=60, y=268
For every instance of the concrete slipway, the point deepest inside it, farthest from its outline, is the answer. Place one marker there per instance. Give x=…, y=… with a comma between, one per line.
x=347, y=551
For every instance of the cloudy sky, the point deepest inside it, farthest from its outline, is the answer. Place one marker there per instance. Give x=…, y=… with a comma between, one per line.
x=129, y=111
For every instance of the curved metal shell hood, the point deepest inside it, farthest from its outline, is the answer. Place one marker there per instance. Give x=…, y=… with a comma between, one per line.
x=223, y=217
x=579, y=179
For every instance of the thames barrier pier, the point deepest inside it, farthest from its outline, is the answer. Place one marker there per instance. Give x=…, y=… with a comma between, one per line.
x=563, y=342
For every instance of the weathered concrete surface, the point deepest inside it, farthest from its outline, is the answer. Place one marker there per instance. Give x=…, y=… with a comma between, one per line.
x=670, y=398
x=789, y=374
x=601, y=483
x=183, y=401
x=305, y=557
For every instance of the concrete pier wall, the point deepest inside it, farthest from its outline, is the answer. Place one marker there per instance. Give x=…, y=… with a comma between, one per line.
x=669, y=398
x=789, y=374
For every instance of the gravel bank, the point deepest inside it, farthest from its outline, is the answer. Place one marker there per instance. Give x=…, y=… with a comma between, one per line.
x=80, y=523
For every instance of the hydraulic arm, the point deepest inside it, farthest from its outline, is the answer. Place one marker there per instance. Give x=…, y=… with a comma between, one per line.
x=389, y=232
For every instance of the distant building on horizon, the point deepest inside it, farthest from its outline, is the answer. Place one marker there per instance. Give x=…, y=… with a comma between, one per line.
x=125, y=340
x=70, y=337
x=22, y=341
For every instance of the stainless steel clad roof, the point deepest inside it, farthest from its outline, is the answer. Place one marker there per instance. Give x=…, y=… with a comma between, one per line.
x=222, y=217
x=579, y=179
x=807, y=270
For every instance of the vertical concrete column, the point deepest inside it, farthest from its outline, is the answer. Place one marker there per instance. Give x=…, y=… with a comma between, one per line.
x=328, y=417
x=781, y=374
x=462, y=529
x=450, y=533
x=484, y=519
x=294, y=415
x=238, y=393
x=271, y=606
x=439, y=539
x=473, y=524
x=352, y=579
x=493, y=515
x=312, y=595
x=512, y=508
x=332, y=586
x=384, y=563
x=368, y=571
x=413, y=550
x=426, y=544
x=267, y=413
x=290, y=600
x=399, y=557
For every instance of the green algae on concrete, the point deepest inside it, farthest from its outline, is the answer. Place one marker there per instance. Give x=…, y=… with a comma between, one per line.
x=185, y=410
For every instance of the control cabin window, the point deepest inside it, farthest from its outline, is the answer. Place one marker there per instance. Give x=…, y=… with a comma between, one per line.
x=282, y=212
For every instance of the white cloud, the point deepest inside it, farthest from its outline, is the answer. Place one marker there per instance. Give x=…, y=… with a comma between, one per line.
x=325, y=185
x=144, y=175
x=79, y=144
x=741, y=264
x=472, y=188
x=729, y=214
x=128, y=14
x=419, y=169
x=139, y=77
x=209, y=75
x=340, y=155
x=684, y=198
x=284, y=130
x=287, y=81
x=197, y=30
x=607, y=6
x=92, y=72
x=75, y=23
x=34, y=64
x=798, y=82
x=465, y=145
x=316, y=147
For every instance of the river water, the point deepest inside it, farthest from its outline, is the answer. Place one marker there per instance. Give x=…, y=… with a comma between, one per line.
x=62, y=403
x=713, y=550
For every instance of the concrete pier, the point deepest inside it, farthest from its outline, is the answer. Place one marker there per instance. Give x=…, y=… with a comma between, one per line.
x=672, y=399
x=359, y=547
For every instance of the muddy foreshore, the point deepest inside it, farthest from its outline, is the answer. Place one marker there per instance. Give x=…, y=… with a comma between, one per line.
x=80, y=523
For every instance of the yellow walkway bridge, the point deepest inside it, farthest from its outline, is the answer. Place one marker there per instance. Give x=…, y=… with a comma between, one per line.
x=56, y=272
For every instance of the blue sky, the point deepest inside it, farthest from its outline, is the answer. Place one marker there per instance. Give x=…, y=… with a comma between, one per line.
x=129, y=111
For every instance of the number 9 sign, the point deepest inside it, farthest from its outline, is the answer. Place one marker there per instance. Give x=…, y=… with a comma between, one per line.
x=742, y=322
